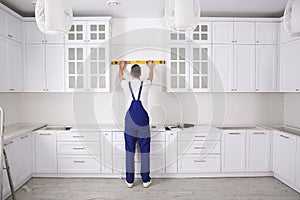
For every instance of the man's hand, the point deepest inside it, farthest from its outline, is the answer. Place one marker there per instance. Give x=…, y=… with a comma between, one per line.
x=122, y=67
x=150, y=66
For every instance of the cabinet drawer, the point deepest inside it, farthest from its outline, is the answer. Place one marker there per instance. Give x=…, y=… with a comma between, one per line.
x=78, y=136
x=196, y=164
x=78, y=164
x=155, y=148
x=78, y=148
x=199, y=147
x=199, y=136
x=155, y=136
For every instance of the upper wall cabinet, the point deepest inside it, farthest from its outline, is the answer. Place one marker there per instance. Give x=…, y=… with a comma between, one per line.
x=11, y=27
x=222, y=32
x=88, y=32
x=15, y=66
x=4, y=86
x=3, y=23
x=33, y=35
x=266, y=33
x=244, y=32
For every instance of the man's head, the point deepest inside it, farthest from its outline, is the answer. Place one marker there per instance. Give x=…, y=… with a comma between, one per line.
x=136, y=71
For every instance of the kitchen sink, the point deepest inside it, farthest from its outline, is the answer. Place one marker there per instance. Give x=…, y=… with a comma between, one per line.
x=56, y=128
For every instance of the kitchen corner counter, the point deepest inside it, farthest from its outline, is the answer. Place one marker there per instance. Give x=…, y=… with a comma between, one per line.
x=110, y=127
x=16, y=130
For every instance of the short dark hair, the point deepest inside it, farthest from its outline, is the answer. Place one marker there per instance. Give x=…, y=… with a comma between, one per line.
x=136, y=71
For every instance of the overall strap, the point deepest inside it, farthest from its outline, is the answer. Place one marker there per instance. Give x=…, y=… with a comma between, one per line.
x=132, y=94
x=140, y=90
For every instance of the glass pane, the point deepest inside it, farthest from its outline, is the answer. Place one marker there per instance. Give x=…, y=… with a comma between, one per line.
x=80, y=68
x=72, y=28
x=93, y=27
x=204, y=28
x=71, y=36
x=102, y=68
x=94, y=54
x=196, y=68
x=182, y=53
x=196, y=36
x=94, y=67
x=71, y=54
x=196, y=82
x=94, y=36
x=94, y=81
x=80, y=54
x=204, y=82
x=196, y=54
x=101, y=54
x=101, y=36
x=79, y=36
x=204, y=68
x=204, y=54
x=182, y=82
x=173, y=82
x=204, y=37
x=173, y=36
x=79, y=28
x=173, y=53
x=181, y=36
x=72, y=82
x=197, y=29
x=79, y=81
x=182, y=68
x=173, y=68
x=102, y=82
x=101, y=27
x=71, y=68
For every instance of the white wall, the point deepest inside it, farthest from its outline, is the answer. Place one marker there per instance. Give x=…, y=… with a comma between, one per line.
x=9, y=103
x=292, y=109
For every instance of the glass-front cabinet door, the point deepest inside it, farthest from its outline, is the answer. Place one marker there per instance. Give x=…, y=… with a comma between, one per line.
x=77, y=33
x=97, y=31
x=202, y=33
x=178, y=69
x=76, y=67
x=200, y=68
x=98, y=68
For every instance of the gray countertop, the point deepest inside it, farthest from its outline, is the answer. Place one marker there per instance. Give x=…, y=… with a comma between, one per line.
x=16, y=130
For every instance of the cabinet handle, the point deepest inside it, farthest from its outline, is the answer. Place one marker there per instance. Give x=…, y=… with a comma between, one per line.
x=11, y=89
x=234, y=133
x=259, y=133
x=297, y=90
x=199, y=161
x=197, y=148
x=78, y=161
x=257, y=41
x=9, y=143
x=10, y=36
x=78, y=148
x=200, y=136
x=78, y=136
x=26, y=136
x=45, y=134
x=286, y=137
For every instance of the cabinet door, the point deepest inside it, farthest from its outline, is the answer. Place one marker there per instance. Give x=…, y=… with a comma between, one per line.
x=222, y=32
x=244, y=32
x=266, y=33
x=298, y=162
x=3, y=31
x=244, y=68
x=202, y=33
x=35, y=68
x=97, y=31
x=258, y=147
x=266, y=68
x=14, y=28
x=76, y=67
x=45, y=152
x=285, y=156
x=106, y=153
x=233, y=151
x=33, y=34
x=289, y=67
x=178, y=74
x=223, y=68
x=15, y=66
x=200, y=70
x=77, y=33
x=177, y=37
x=55, y=73
x=4, y=81
x=98, y=68
x=171, y=152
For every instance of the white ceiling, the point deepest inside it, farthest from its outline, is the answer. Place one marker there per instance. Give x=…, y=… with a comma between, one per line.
x=155, y=8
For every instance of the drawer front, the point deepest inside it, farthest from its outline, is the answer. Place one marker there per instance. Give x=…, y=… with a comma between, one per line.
x=199, y=147
x=78, y=136
x=78, y=164
x=199, y=136
x=78, y=148
x=155, y=136
x=196, y=164
x=155, y=148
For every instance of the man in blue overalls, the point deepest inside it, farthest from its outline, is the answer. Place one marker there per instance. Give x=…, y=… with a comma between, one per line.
x=137, y=128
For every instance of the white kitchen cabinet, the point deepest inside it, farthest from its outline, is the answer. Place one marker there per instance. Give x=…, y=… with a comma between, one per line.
x=266, y=68
x=77, y=33
x=14, y=28
x=298, y=163
x=223, y=67
x=244, y=33
x=171, y=152
x=45, y=152
x=3, y=31
x=222, y=32
x=258, y=150
x=266, y=33
x=244, y=68
x=285, y=148
x=289, y=67
x=202, y=33
x=106, y=153
x=199, y=164
x=15, y=66
x=4, y=79
x=82, y=164
x=233, y=151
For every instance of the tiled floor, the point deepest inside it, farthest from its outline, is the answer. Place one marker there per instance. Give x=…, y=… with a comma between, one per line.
x=206, y=189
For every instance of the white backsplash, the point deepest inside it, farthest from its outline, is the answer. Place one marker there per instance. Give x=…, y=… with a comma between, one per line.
x=292, y=109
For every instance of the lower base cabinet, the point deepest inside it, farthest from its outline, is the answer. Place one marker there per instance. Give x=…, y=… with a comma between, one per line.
x=298, y=163
x=82, y=164
x=199, y=164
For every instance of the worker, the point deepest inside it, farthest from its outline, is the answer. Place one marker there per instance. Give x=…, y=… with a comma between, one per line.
x=137, y=129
